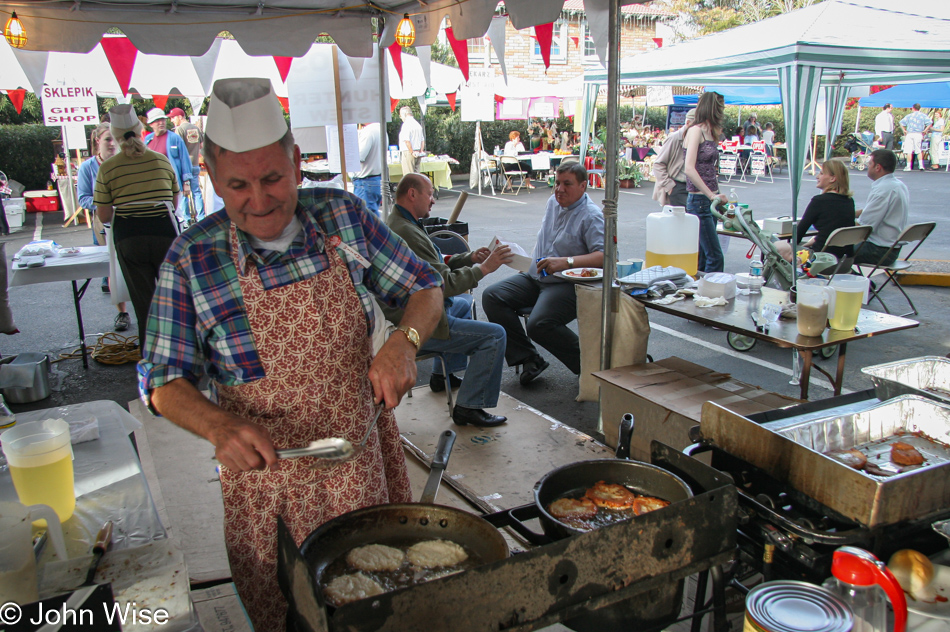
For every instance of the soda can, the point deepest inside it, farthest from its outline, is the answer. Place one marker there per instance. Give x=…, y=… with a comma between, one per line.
x=792, y=606
x=541, y=273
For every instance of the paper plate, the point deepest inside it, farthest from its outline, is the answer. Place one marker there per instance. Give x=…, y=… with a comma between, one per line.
x=574, y=274
x=939, y=609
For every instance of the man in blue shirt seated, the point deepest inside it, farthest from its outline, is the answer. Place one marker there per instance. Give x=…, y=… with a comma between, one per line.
x=571, y=236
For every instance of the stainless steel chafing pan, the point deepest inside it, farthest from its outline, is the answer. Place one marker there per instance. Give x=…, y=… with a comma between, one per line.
x=928, y=376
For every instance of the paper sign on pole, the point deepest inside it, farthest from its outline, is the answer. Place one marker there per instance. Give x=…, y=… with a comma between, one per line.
x=351, y=139
x=76, y=137
x=70, y=105
x=311, y=90
x=660, y=95
x=541, y=109
x=478, y=96
x=512, y=108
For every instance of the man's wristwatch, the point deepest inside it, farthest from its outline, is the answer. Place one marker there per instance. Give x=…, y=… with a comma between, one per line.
x=570, y=262
x=411, y=334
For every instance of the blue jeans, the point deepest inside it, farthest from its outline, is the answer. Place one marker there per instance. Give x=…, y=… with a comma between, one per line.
x=184, y=215
x=710, y=252
x=479, y=344
x=196, y=193
x=368, y=190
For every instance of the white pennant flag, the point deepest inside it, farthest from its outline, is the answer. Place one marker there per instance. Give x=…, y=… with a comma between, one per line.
x=496, y=33
x=598, y=24
x=196, y=103
x=204, y=65
x=356, y=64
x=422, y=103
x=425, y=60
x=33, y=63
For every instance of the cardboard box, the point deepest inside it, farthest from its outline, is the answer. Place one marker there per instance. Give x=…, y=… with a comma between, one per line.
x=777, y=225
x=666, y=400
x=220, y=609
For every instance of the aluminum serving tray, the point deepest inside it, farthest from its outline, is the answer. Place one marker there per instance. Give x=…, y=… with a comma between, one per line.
x=796, y=454
x=928, y=377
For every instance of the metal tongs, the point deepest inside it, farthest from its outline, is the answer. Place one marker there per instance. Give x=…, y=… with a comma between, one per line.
x=333, y=448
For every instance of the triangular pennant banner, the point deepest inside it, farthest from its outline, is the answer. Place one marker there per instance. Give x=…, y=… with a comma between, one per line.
x=204, y=65
x=16, y=97
x=33, y=63
x=160, y=100
x=425, y=60
x=392, y=104
x=284, y=103
x=496, y=34
x=283, y=66
x=499, y=98
x=121, y=54
x=422, y=103
x=658, y=41
x=356, y=64
x=451, y=96
x=196, y=103
x=576, y=40
x=545, y=33
x=598, y=24
x=460, y=48
x=395, y=53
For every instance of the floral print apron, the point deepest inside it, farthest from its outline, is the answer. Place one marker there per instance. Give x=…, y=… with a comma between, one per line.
x=311, y=338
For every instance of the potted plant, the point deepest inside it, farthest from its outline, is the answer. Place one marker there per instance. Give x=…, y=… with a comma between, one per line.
x=628, y=173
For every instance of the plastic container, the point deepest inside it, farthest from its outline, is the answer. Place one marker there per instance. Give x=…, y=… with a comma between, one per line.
x=673, y=239
x=864, y=583
x=40, y=456
x=14, y=209
x=745, y=281
x=40, y=387
x=850, y=293
x=18, y=582
x=816, y=302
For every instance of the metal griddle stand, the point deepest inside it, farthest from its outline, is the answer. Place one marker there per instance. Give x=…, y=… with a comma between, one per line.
x=554, y=582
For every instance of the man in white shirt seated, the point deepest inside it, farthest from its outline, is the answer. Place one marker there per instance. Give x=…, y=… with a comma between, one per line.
x=886, y=211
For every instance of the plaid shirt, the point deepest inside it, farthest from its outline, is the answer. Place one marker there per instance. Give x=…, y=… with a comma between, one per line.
x=197, y=322
x=916, y=122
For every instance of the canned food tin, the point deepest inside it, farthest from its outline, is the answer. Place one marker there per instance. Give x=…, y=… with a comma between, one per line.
x=790, y=606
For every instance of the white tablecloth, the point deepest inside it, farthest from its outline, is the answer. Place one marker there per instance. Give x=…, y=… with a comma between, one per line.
x=92, y=262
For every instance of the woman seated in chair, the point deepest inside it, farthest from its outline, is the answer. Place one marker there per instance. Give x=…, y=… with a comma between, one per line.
x=514, y=146
x=832, y=209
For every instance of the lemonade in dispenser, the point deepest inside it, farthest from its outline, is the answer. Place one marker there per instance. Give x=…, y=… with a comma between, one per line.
x=673, y=239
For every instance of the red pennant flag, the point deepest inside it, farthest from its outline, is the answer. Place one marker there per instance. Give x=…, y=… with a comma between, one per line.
x=283, y=66
x=658, y=41
x=499, y=98
x=16, y=97
x=876, y=89
x=545, y=33
x=121, y=55
x=577, y=41
x=284, y=103
x=460, y=48
x=395, y=53
x=392, y=104
x=451, y=97
x=160, y=100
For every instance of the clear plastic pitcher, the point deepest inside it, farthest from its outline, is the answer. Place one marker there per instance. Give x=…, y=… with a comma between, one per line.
x=866, y=585
x=17, y=562
x=41, y=464
x=816, y=302
x=673, y=239
x=850, y=290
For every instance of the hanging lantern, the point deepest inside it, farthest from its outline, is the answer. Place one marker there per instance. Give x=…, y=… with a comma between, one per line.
x=14, y=32
x=406, y=31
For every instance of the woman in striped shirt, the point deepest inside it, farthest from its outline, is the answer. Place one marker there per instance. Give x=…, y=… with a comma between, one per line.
x=133, y=190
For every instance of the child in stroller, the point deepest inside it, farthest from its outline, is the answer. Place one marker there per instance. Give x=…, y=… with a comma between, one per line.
x=860, y=150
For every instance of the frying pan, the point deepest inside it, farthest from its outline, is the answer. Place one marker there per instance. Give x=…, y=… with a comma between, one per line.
x=399, y=524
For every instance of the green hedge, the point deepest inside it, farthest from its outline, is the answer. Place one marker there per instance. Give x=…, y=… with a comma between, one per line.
x=26, y=153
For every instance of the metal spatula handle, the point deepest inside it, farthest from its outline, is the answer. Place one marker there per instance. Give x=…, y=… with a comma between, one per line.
x=333, y=448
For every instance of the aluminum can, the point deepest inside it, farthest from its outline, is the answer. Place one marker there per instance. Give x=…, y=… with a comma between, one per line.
x=541, y=273
x=792, y=606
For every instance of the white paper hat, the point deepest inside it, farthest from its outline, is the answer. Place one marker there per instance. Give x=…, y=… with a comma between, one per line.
x=244, y=114
x=122, y=119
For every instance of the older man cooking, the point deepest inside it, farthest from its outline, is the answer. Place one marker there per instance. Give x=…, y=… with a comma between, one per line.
x=272, y=300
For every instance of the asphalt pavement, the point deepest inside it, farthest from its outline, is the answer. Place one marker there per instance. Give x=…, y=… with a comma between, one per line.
x=47, y=321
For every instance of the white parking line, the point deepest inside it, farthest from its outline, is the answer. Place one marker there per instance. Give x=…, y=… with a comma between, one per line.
x=487, y=197
x=38, y=231
x=632, y=193
x=820, y=383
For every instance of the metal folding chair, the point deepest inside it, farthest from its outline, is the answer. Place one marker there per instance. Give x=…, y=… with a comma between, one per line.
x=848, y=236
x=448, y=386
x=914, y=232
x=450, y=243
x=511, y=169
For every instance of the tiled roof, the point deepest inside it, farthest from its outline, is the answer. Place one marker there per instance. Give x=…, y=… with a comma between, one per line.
x=629, y=9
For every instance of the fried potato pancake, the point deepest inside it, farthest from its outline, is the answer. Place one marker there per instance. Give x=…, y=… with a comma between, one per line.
x=646, y=504
x=436, y=554
x=852, y=458
x=611, y=496
x=347, y=588
x=905, y=454
x=573, y=508
x=375, y=558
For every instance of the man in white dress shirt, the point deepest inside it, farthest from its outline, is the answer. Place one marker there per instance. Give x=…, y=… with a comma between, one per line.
x=886, y=211
x=411, y=141
x=884, y=127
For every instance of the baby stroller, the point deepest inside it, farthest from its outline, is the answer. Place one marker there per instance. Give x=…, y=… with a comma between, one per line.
x=860, y=151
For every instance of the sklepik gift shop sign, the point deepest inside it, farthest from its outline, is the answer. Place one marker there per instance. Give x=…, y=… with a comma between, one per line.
x=69, y=105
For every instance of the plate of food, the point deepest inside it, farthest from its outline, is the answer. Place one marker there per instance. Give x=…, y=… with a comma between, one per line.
x=926, y=584
x=582, y=274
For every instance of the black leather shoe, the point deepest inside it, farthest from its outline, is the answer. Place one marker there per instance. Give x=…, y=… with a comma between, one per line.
x=437, y=382
x=476, y=417
x=532, y=369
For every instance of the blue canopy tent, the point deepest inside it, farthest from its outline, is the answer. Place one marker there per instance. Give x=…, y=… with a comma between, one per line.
x=928, y=95
x=737, y=95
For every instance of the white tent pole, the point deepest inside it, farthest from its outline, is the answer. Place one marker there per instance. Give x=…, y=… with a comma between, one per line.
x=611, y=192
x=339, y=114
x=383, y=130
x=857, y=120
x=478, y=153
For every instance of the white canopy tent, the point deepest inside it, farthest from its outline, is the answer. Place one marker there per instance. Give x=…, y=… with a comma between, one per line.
x=801, y=52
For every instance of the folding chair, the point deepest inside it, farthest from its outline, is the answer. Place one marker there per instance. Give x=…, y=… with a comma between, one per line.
x=448, y=386
x=511, y=169
x=848, y=236
x=71, y=207
x=487, y=169
x=450, y=243
x=595, y=176
x=914, y=232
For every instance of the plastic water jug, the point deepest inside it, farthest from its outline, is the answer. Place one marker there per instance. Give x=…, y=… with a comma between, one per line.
x=816, y=302
x=41, y=464
x=17, y=562
x=865, y=584
x=851, y=291
x=673, y=239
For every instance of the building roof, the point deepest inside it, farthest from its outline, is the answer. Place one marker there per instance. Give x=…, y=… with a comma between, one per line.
x=649, y=9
